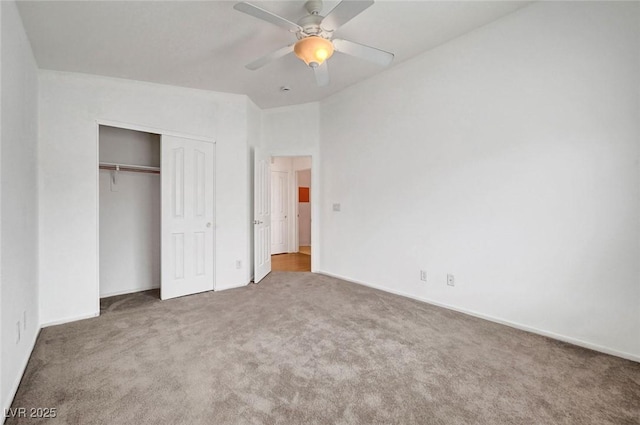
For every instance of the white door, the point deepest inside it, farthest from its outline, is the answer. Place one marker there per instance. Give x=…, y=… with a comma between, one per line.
x=187, y=174
x=279, y=207
x=261, y=216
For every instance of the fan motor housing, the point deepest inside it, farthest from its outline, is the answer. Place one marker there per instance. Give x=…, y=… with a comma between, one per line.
x=311, y=26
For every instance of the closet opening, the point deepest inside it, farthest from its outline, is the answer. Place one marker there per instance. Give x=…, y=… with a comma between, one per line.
x=129, y=217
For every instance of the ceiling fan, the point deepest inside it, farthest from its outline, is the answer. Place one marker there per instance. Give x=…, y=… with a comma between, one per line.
x=315, y=36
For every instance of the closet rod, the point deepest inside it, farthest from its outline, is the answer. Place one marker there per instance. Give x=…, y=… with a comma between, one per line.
x=132, y=168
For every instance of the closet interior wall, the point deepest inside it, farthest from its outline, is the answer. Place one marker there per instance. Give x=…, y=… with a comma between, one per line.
x=129, y=212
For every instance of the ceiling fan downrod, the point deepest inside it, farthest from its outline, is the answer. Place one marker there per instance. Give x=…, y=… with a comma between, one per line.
x=314, y=7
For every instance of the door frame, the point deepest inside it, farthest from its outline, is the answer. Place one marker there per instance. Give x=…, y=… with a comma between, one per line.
x=315, y=199
x=145, y=129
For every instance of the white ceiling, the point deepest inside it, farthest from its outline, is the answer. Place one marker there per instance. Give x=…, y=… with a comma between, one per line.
x=205, y=45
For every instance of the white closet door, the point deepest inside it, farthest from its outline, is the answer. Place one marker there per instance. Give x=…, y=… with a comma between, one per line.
x=187, y=173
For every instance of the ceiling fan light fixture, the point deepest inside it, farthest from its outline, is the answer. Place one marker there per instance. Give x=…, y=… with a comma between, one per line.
x=313, y=50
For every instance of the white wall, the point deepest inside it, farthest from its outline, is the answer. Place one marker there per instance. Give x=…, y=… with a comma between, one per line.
x=69, y=106
x=123, y=146
x=304, y=178
x=129, y=213
x=295, y=131
x=304, y=209
x=302, y=163
x=292, y=130
x=508, y=157
x=18, y=200
x=2, y=394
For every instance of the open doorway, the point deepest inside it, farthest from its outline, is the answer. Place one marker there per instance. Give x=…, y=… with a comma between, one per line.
x=291, y=243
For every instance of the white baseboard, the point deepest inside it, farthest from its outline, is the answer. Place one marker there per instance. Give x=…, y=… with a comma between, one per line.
x=70, y=319
x=128, y=291
x=14, y=388
x=516, y=325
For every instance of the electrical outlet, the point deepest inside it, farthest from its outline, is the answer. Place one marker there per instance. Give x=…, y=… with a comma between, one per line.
x=423, y=275
x=238, y=264
x=18, y=335
x=451, y=280
x=336, y=207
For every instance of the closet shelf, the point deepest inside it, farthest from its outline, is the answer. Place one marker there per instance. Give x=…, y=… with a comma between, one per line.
x=131, y=168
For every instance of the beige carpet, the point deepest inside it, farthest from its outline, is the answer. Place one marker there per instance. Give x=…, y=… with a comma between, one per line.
x=305, y=349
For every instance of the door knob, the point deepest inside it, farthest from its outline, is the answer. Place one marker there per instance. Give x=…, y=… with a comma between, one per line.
x=209, y=224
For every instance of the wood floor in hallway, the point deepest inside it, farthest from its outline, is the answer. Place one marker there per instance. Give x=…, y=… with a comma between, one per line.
x=305, y=250
x=294, y=262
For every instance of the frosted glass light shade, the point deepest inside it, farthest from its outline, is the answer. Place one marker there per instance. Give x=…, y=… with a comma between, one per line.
x=313, y=50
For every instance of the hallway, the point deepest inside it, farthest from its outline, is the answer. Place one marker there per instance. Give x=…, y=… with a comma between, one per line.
x=293, y=262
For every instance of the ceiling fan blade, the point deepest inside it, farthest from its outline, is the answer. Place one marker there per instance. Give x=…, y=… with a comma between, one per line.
x=322, y=74
x=343, y=13
x=265, y=15
x=259, y=63
x=361, y=51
